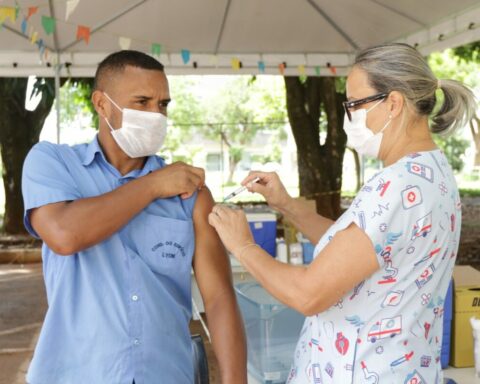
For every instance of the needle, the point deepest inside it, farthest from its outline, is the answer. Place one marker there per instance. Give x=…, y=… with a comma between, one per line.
x=240, y=190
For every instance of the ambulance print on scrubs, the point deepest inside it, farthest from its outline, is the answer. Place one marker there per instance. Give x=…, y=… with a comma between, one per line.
x=142, y=133
x=388, y=329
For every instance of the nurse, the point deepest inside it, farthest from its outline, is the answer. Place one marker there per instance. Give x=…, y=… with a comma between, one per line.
x=374, y=294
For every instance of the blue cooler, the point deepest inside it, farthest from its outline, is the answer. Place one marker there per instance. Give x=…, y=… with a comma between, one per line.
x=264, y=230
x=447, y=326
x=308, y=249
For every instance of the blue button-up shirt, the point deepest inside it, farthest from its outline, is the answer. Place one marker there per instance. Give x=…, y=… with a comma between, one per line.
x=118, y=310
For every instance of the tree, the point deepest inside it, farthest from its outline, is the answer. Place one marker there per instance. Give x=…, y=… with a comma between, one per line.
x=19, y=131
x=460, y=64
x=239, y=111
x=315, y=105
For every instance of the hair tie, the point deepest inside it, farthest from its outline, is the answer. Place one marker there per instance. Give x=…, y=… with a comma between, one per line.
x=439, y=84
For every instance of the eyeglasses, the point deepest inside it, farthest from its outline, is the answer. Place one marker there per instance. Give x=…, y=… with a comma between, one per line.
x=354, y=103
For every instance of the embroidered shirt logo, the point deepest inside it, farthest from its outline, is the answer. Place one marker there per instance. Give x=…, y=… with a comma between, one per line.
x=169, y=249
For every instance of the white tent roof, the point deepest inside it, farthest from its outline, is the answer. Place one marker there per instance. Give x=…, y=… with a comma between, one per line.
x=305, y=33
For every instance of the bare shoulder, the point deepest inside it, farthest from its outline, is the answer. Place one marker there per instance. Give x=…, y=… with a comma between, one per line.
x=203, y=205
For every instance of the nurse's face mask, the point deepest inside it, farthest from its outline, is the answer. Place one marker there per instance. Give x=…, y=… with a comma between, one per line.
x=359, y=136
x=141, y=134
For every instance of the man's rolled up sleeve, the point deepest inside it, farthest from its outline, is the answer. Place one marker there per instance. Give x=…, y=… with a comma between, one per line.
x=45, y=180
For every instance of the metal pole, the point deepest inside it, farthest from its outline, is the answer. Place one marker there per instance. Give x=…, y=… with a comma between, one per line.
x=57, y=96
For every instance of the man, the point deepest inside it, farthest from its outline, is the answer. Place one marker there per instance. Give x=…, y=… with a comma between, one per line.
x=121, y=232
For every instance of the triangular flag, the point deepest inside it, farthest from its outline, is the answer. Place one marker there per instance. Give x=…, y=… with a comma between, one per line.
x=333, y=70
x=124, y=42
x=83, y=33
x=48, y=24
x=185, y=56
x=235, y=64
x=156, y=49
x=301, y=69
x=71, y=5
x=34, y=37
x=261, y=66
x=24, y=26
x=317, y=70
x=41, y=46
x=213, y=60
x=31, y=11
x=8, y=12
x=281, y=68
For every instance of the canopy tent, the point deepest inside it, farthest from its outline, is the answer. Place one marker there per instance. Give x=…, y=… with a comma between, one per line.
x=223, y=36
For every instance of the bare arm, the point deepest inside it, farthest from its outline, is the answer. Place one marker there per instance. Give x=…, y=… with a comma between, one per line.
x=213, y=274
x=311, y=224
x=335, y=271
x=68, y=227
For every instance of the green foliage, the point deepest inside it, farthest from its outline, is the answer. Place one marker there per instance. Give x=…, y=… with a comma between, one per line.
x=75, y=102
x=469, y=52
x=469, y=192
x=454, y=148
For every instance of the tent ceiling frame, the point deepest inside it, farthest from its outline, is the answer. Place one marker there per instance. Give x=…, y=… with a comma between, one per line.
x=222, y=26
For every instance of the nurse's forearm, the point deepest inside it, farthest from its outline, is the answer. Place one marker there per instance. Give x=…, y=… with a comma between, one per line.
x=310, y=223
x=285, y=282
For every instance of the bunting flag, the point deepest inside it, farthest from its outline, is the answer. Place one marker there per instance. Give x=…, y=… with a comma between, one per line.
x=281, y=68
x=24, y=26
x=156, y=49
x=83, y=32
x=333, y=69
x=185, y=56
x=317, y=71
x=71, y=5
x=41, y=46
x=8, y=12
x=261, y=66
x=48, y=24
x=213, y=60
x=124, y=42
x=31, y=11
x=301, y=70
x=34, y=37
x=235, y=64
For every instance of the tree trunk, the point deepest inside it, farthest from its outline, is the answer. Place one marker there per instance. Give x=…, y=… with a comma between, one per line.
x=475, y=129
x=319, y=165
x=19, y=131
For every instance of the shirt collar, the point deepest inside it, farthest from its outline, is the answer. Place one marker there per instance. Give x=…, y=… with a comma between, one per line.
x=93, y=148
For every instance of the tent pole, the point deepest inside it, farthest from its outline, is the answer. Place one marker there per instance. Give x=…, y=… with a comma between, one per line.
x=57, y=95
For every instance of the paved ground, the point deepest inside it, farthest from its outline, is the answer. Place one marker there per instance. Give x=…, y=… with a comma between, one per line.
x=22, y=309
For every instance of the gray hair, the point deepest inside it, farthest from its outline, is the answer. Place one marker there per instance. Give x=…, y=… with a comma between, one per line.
x=400, y=67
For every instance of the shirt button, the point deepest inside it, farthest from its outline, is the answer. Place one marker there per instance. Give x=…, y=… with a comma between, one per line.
x=134, y=297
x=136, y=342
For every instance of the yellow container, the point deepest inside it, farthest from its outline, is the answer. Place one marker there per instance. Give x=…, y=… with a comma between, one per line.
x=466, y=303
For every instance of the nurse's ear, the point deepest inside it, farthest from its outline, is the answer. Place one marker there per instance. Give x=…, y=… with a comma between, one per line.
x=395, y=103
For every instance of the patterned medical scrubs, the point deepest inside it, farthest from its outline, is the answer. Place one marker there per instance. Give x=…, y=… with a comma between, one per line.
x=388, y=329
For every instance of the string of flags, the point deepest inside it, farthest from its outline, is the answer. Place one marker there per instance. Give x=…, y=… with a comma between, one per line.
x=83, y=32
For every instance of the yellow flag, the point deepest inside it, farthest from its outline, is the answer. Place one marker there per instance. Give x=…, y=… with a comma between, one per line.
x=34, y=37
x=8, y=12
x=235, y=64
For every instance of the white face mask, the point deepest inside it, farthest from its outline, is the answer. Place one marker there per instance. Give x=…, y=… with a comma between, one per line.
x=142, y=133
x=359, y=136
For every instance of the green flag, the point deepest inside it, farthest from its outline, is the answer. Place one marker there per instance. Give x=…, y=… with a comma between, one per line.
x=48, y=24
x=156, y=49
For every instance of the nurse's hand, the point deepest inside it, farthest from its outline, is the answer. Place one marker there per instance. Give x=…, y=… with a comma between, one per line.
x=270, y=187
x=232, y=227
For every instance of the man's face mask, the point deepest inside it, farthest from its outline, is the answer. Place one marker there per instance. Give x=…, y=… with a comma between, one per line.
x=141, y=134
x=359, y=136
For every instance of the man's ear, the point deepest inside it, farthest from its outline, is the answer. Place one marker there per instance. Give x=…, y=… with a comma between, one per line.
x=98, y=101
x=396, y=102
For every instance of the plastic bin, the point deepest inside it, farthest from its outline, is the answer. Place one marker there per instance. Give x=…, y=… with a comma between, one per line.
x=447, y=326
x=272, y=332
x=264, y=230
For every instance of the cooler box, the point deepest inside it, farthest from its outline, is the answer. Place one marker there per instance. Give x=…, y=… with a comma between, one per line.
x=264, y=230
x=466, y=304
x=447, y=326
x=272, y=333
